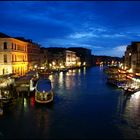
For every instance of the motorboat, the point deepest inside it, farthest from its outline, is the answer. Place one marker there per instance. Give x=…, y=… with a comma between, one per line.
x=43, y=91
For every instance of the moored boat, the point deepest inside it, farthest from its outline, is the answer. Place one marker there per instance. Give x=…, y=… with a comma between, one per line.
x=43, y=91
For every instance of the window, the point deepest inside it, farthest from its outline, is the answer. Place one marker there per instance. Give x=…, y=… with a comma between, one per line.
x=5, y=58
x=25, y=48
x=3, y=71
x=12, y=57
x=12, y=46
x=15, y=47
x=5, y=45
x=13, y=70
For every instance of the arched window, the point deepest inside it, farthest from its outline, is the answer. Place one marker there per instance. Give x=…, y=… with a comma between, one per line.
x=5, y=45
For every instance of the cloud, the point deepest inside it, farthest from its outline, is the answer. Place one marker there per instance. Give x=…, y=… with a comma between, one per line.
x=64, y=24
x=95, y=35
x=120, y=49
x=97, y=29
x=97, y=47
x=113, y=35
x=82, y=35
x=65, y=42
x=116, y=51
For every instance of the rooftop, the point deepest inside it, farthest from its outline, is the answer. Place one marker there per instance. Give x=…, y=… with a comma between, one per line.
x=2, y=35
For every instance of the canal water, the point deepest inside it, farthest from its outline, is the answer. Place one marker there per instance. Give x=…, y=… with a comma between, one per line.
x=84, y=107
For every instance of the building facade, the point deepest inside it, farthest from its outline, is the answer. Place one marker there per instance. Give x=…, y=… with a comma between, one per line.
x=70, y=58
x=84, y=54
x=13, y=56
x=132, y=57
x=59, y=57
x=106, y=60
x=55, y=57
x=33, y=53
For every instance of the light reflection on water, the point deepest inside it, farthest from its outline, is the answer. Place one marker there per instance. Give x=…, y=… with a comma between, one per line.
x=84, y=107
x=129, y=115
x=84, y=70
x=67, y=80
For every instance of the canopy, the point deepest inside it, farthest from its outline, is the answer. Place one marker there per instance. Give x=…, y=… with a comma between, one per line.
x=43, y=85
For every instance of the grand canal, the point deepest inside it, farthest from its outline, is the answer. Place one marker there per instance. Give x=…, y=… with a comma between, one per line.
x=84, y=107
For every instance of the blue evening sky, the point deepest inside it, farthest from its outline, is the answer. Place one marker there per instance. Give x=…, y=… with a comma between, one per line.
x=106, y=27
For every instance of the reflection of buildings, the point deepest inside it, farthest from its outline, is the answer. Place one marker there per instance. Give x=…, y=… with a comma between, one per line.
x=122, y=103
x=129, y=112
x=132, y=57
x=13, y=55
x=61, y=79
x=38, y=119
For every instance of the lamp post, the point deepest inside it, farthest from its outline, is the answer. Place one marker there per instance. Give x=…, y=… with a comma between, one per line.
x=130, y=60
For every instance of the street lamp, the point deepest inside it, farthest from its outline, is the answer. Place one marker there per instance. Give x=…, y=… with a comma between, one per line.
x=53, y=63
x=84, y=63
x=35, y=66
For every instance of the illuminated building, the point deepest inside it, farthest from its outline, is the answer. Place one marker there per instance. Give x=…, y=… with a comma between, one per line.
x=33, y=52
x=60, y=57
x=105, y=60
x=53, y=57
x=78, y=61
x=132, y=57
x=13, y=55
x=70, y=58
x=84, y=54
x=128, y=56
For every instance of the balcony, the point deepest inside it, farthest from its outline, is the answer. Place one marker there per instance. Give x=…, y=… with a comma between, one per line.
x=17, y=62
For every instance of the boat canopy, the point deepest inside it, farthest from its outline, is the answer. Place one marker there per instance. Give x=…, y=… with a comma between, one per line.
x=43, y=85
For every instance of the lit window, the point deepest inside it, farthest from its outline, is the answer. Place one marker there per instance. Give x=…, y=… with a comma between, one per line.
x=12, y=57
x=5, y=58
x=12, y=46
x=15, y=47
